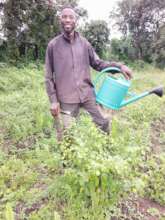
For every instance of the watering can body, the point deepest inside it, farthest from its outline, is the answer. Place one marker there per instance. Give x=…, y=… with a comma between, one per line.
x=113, y=91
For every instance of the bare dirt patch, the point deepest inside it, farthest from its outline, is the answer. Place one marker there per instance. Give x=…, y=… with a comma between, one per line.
x=141, y=209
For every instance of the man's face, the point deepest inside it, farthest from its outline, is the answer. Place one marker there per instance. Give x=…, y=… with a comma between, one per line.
x=68, y=20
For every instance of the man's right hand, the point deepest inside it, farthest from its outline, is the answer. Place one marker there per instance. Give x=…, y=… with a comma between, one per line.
x=55, y=109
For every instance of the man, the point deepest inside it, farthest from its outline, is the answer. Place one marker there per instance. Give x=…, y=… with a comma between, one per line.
x=68, y=82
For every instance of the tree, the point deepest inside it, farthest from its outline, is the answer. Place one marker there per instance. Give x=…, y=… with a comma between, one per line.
x=123, y=49
x=158, y=47
x=27, y=24
x=141, y=19
x=12, y=25
x=30, y=24
x=97, y=33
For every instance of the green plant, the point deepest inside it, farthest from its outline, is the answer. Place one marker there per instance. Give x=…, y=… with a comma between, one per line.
x=89, y=174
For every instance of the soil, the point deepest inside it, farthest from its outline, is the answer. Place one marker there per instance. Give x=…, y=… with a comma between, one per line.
x=157, y=127
x=157, y=146
x=145, y=205
x=142, y=209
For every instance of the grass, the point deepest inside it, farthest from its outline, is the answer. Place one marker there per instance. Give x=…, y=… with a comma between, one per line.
x=89, y=174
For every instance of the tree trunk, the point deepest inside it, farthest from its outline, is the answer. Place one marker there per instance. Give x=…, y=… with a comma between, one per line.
x=36, y=52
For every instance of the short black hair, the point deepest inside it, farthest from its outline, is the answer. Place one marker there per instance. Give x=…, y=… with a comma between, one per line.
x=67, y=6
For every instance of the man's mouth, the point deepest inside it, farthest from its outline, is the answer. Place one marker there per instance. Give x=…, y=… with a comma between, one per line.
x=67, y=26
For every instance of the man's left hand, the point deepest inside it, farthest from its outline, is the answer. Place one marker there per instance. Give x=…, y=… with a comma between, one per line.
x=126, y=72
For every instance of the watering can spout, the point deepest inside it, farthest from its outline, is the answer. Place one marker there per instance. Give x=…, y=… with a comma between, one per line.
x=157, y=91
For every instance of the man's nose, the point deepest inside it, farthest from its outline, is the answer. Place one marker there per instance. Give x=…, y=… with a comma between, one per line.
x=67, y=19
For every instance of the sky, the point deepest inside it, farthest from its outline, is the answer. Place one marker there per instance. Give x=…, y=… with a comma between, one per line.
x=99, y=10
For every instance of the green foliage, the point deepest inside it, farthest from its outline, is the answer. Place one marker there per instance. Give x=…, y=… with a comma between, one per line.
x=137, y=19
x=123, y=49
x=23, y=101
x=32, y=24
x=97, y=33
x=9, y=212
x=158, y=48
x=29, y=25
x=88, y=174
x=155, y=188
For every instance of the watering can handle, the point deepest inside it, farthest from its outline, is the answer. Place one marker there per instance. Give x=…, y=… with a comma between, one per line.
x=106, y=70
x=111, y=69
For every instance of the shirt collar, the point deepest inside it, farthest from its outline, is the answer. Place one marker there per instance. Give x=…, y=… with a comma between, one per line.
x=76, y=35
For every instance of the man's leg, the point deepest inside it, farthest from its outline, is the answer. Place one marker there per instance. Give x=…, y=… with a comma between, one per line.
x=107, y=113
x=96, y=115
x=65, y=119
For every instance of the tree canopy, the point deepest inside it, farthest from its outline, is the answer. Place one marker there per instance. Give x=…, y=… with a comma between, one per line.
x=28, y=25
x=141, y=20
x=97, y=33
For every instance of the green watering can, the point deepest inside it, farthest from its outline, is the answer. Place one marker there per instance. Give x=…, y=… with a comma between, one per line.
x=112, y=90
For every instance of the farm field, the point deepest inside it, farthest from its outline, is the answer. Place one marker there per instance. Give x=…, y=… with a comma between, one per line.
x=90, y=175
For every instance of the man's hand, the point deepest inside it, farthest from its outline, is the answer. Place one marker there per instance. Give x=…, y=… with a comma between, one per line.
x=126, y=72
x=55, y=109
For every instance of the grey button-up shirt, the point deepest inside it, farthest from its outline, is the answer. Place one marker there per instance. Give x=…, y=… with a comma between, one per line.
x=67, y=66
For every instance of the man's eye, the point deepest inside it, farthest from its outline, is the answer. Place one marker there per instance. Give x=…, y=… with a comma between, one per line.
x=70, y=17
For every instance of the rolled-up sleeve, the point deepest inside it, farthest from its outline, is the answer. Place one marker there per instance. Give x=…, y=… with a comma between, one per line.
x=49, y=79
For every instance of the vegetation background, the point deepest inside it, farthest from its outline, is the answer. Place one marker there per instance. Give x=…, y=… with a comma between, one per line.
x=89, y=175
